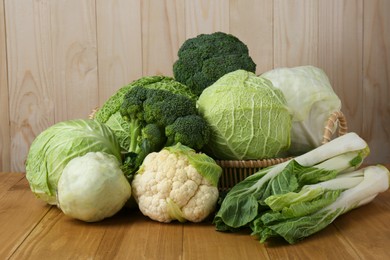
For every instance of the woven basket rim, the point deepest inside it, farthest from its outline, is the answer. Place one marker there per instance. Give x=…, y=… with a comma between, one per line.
x=260, y=163
x=337, y=118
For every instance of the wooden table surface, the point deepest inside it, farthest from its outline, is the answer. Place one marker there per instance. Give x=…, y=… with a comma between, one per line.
x=30, y=229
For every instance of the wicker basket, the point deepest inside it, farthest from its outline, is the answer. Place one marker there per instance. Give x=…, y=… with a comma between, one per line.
x=235, y=171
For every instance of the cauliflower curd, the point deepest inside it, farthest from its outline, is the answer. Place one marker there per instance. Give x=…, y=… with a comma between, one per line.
x=177, y=184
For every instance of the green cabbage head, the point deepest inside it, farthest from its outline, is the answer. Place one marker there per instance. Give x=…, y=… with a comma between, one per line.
x=249, y=118
x=52, y=149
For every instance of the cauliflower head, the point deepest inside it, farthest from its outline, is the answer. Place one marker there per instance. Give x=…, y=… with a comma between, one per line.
x=177, y=184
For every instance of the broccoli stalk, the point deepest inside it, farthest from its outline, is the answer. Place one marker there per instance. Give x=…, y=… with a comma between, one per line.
x=135, y=128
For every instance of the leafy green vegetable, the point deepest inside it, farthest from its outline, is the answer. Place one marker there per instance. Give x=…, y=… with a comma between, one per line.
x=248, y=117
x=247, y=201
x=299, y=218
x=207, y=57
x=53, y=148
x=311, y=99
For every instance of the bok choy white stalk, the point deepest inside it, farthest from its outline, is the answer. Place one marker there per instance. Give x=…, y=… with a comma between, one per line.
x=300, y=188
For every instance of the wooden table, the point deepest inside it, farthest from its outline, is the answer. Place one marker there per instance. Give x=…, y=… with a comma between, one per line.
x=30, y=229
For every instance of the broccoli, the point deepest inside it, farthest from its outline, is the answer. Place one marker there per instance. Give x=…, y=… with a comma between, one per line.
x=157, y=118
x=207, y=57
x=148, y=139
x=191, y=130
x=112, y=105
x=109, y=113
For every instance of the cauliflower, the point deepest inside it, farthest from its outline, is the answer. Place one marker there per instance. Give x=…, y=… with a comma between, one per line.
x=177, y=184
x=92, y=187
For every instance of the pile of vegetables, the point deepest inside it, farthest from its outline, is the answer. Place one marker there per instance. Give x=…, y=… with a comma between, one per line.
x=156, y=142
x=150, y=113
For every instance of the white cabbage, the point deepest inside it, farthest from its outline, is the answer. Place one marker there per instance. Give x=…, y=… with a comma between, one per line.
x=311, y=99
x=57, y=145
x=92, y=187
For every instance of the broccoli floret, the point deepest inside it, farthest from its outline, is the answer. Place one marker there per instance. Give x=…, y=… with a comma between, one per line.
x=155, y=106
x=152, y=139
x=207, y=57
x=149, y=112
x=191, y=130
x=113, y=104
x=163, y=107
x=109, y=113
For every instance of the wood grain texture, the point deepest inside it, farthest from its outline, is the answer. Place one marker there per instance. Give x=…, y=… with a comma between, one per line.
x=119, y=45
x=60, y=59
x=252, y=22
x=5, y=144
x=295, y=33
x=340, y=42
x=376, y=80
x=30, y=68
x=163, y=31
x=74, y=51
x=218, y=245
x=33, y=230
x=206, y=16
x=134, y=235
x=328, y=243
x=17, y=220
x=375, y=220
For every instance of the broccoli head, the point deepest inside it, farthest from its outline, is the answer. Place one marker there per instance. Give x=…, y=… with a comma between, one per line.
x=207, y=57
x=155, y=106
x=109, y=113
x=151, y=114
x=191, y=130
x=152, y=138
x=113, y=104
x=163, y=108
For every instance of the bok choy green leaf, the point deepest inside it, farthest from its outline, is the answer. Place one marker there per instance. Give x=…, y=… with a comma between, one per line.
x=283, y=198
x=305, y=216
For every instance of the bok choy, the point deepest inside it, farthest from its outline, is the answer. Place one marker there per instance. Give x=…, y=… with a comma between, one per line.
x=295, y=216
x=299, y=197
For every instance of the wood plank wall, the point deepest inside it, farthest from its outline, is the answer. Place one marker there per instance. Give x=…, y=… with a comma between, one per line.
x=59, y=59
